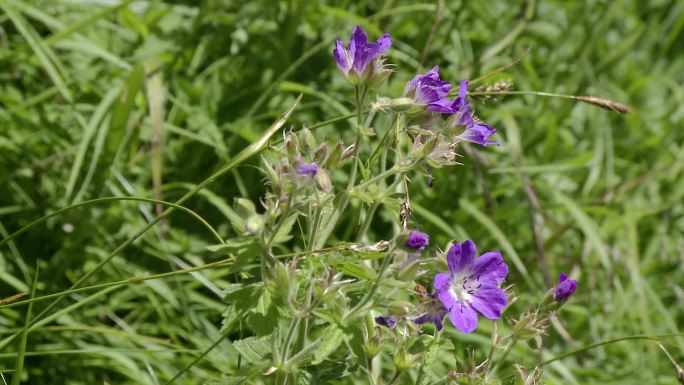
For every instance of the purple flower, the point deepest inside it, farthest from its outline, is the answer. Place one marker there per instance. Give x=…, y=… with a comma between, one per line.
x=434, y=311
x=474, y=130
x=417, y=240
x=389, y=322
x=309, y=169
x=430, y=90
x=360, y=53
x=471, y=284
x=565, y=288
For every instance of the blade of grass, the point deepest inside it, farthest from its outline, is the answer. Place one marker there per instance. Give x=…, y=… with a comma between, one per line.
x=19, y=363
x=658, y=337
x=95, y=120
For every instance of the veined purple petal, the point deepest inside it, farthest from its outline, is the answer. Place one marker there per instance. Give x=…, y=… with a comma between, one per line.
x=490, y=300
x=443, y=290
x=360, y=53
x=490, y=267
x=461, y=256
x=477, y=133
x=463, y=317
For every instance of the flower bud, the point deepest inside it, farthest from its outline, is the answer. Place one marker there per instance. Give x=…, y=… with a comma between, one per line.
x=348, y=152
x=565, y=288
x=321, y=152
x=405, y=105
x=253, y=225
x=334, y=156
x=389, y=322
x=323, y=181
x=307, y=140
x=291, y=144
x=372, y=346
x=403, y=360
x=412, y=241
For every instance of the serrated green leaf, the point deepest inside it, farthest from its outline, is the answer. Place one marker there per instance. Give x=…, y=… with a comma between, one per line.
x=284, y=232
x=254, y=349
x=358, y=270
x=333, y=338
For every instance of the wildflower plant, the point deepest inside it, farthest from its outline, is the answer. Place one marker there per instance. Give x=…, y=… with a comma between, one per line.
x=313, y=309
x=307, y=304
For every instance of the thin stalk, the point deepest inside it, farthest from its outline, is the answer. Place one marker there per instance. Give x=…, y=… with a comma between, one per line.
x=19, y=363
x=394, y=379
x=367, y=221
x=376, y=284
x=199, y=358
x=599, y=102
x=657, y=337
x=514, y=340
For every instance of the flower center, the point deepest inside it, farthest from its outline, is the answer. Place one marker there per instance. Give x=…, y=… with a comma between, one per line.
x=464, y=287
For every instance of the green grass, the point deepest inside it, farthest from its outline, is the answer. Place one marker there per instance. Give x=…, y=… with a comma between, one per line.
x=160, y=100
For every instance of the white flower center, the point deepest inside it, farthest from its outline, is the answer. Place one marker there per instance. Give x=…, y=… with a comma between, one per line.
x=464, y=287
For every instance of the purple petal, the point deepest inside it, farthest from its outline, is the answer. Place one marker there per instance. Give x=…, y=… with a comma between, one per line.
x=310, y=169
x=389, y=322
x=444, y=106
x=342, y=58
x=463, y=317
x=383, y=43
x=444, y=292
x=461, y=256
x=417, y=240
x=490, y=267
x=358, y=38
x=490, y=300
x=563, y=277
x=477, y=132
x=564, y=289
x=438, y=323
x=463, y=90
x=422, y=319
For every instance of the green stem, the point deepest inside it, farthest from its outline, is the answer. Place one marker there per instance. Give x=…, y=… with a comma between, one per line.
x=19, y=364
x=514, y=340
x=657, y=337
x=376, y=284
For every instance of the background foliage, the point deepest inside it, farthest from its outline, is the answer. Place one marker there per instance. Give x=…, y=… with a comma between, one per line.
x=147, y=98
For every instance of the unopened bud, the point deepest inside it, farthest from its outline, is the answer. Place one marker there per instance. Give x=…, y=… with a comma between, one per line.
x=334, y=156
x=323, y=181
x=348, y=152
x=253, y=225
x=321, y=152
x=405, y=360
x=405, y=105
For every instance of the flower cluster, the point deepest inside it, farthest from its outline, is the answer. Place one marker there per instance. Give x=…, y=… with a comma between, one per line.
x=472, y=284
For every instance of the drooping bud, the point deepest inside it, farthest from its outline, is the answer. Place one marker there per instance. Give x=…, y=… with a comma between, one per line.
x=389, y=322
x=565, y=288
